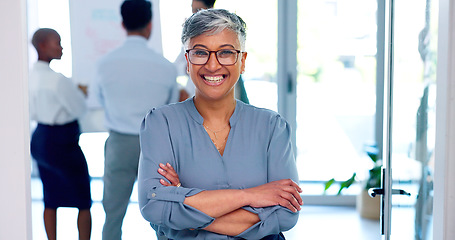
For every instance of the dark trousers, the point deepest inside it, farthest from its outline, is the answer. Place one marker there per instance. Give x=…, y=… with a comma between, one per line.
x=270, y=237
x=274, y=237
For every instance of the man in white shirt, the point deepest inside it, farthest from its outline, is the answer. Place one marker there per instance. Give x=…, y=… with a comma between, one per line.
x=131, y=80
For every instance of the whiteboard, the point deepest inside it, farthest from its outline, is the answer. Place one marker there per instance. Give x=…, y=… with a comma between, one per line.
x=96, y=29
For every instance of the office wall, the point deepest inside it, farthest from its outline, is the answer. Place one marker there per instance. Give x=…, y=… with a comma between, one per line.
x=444, y=182
x=15, y=201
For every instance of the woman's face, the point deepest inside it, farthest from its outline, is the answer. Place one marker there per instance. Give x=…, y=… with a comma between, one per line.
x=51, y=48
x=213, y=80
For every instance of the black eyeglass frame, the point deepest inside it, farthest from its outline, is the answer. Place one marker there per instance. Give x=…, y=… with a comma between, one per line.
x=216, y=55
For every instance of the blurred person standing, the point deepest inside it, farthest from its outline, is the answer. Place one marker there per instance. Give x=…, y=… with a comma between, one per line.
x=56, y=103
x=197, y=5
x=130, y=81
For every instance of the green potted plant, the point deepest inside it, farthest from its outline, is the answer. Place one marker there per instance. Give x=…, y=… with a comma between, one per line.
x=367, y=206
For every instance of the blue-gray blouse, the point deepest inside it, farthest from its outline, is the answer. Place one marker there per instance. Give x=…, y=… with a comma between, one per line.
x=258, y=150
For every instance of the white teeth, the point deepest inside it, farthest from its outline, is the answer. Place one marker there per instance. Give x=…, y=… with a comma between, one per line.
x=213, y=78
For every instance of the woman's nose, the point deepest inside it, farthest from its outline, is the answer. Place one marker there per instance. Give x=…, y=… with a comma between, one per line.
x=212, y=63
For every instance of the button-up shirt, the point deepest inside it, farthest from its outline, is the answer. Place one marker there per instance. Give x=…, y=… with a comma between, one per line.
x=54, y=98
x=258, y=150
x=130, y=81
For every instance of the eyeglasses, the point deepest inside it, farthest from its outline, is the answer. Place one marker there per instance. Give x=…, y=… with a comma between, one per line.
x=225, y=57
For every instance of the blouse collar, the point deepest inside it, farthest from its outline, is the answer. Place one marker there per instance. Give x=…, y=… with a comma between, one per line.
x=194, y=113
x=42, y=64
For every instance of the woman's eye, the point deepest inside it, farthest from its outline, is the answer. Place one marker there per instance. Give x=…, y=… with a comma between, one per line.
x=200, y=53
x=226, y=53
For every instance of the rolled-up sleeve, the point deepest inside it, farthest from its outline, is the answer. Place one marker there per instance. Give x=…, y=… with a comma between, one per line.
x=281, y=165
x=160, y=205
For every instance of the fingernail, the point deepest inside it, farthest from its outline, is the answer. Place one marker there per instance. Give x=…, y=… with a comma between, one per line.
x=161, y=165
x=160, y=170
x=168, y=164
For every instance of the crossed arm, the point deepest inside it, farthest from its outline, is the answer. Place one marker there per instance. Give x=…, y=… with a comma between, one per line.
x=226, y=205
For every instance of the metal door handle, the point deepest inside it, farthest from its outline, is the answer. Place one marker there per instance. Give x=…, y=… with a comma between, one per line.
x=290, y=83
x=380, y=191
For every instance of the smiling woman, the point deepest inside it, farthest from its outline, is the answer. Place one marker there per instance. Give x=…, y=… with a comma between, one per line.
x=213, y=165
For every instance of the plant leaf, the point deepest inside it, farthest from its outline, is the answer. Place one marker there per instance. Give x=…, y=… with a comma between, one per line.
x=372, y=152
x=347, y=183
x=374, y=180
x=328, y=184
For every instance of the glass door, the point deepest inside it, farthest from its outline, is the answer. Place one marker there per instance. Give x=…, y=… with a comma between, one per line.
x=336, y=91
x=410, y=132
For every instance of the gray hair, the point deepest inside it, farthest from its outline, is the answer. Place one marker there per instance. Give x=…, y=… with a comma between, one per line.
x=213, y=21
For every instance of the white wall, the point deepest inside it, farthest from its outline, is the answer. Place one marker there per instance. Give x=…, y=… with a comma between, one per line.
x=444, y=182
x=15, y=203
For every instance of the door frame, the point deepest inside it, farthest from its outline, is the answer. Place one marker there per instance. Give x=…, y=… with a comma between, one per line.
x=287, y=64
x=15, y=220
x=444, y=176
x=444, y=180
x=387, y=37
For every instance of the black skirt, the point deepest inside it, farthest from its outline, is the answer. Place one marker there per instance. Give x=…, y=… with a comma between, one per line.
x=62, y=166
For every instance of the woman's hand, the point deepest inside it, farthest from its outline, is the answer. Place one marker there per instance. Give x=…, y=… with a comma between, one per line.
x=284, y=192
x=170, y=174
x=83, y=88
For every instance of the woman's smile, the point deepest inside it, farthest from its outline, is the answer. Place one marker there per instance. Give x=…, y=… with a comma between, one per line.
x=214, y=80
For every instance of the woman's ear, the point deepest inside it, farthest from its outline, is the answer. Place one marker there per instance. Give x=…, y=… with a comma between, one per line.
x=242, y=68
x=41, y=50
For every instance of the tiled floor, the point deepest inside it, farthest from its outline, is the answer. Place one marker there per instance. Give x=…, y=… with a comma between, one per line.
x=315, y=222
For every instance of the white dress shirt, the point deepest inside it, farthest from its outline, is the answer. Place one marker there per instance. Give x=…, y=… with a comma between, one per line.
x=54, y=98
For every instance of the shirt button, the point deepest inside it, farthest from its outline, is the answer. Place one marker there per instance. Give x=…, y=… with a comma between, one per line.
x=153, y=194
